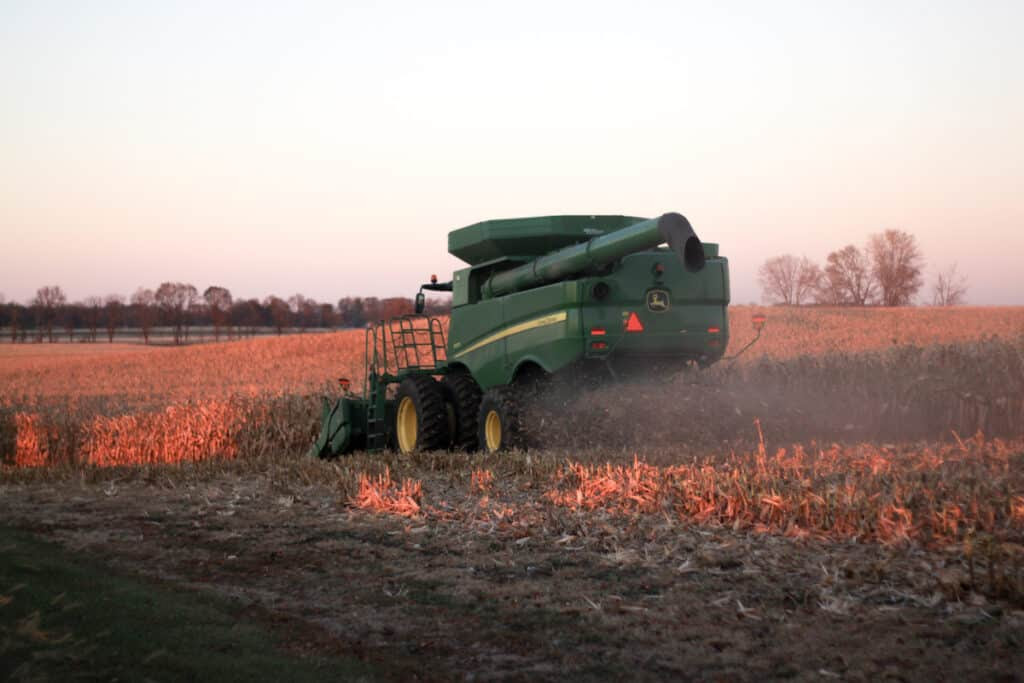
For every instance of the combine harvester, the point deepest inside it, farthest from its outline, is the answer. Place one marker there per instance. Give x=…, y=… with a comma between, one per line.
x=573, y=297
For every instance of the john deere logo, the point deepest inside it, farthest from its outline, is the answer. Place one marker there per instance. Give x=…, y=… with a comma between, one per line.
x=657, y=301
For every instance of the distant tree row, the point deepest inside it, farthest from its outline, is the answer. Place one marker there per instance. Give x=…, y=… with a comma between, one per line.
x=179, y=307
x=886, y=272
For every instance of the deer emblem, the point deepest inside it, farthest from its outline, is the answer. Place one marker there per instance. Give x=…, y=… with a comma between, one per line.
x=657, y=300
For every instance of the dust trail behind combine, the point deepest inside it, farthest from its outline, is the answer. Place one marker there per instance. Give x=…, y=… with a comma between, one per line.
x=904, y=393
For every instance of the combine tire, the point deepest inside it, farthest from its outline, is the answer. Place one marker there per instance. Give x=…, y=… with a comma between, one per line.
x=462, y=394
x=498, y=421
x=421, y=419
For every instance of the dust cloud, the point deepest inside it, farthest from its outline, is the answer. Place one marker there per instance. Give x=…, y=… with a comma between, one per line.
x=902, y=394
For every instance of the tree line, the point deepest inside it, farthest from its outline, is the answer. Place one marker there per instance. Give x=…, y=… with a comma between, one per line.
x=885, y=272
x=179, y=307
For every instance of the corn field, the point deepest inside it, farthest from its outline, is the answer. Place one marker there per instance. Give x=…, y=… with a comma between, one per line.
x=134, y=377
x=883, y=426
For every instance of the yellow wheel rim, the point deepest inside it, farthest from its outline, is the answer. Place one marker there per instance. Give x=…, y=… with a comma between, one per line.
x=492, y=430
x=406, y=425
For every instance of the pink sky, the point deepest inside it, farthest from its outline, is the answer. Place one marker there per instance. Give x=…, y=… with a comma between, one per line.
x=328, y=148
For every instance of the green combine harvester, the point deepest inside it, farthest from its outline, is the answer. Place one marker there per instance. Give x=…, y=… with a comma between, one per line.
x=573, y=297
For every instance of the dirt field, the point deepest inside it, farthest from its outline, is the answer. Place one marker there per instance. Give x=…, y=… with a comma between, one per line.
x=508, y=586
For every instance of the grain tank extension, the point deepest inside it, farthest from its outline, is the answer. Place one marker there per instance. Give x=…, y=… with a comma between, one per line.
x=565, y=299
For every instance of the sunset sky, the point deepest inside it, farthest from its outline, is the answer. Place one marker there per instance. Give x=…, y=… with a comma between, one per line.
x=327, y=148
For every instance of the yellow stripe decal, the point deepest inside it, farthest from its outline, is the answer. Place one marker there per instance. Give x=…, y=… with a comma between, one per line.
x=542, y=321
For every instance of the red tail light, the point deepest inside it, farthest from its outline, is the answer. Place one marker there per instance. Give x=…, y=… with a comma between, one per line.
x=633, y=323
x=597, y=331
x=713, y=330
x=598, y=346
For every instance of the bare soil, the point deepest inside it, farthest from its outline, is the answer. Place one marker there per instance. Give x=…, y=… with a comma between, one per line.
x=499, y=584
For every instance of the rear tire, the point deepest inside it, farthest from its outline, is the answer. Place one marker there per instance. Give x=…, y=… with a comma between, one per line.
x=463, y=396
x=498, y=421
x=421, y=419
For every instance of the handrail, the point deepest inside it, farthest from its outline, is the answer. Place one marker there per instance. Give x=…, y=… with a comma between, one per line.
x=410, y=342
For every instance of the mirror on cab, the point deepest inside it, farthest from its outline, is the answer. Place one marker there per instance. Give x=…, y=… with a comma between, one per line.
x=421, y=302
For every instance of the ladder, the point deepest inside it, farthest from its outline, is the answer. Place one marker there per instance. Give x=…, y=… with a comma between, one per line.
x=376, y=417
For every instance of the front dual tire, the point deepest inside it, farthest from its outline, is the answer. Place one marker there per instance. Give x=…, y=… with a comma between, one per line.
x=421, y=416
x=454, y=413
x=431, y=415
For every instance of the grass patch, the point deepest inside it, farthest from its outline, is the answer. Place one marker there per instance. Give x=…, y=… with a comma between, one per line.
x=66, y=617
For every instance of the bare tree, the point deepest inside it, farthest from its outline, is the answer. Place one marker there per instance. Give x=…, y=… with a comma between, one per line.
x=13, y=311
x=848, y=280
x=438, y=306
x=777, y=279
x=219, y=301
x=304, y=311
x=371, y=309
x=393, y=307
x=92, y=307
x=145, y=303
x=950, y=288
x=808, y=280
x=175, y=299
x=350, y=312
x=310, y=313
x=48, y=302
x=326, y=315
x=788, y=280
x=195, y=311
x=114, y=310
x=896, y=264
x=280, y=313
x=68, y=320
x=247, y=315
x=190, y=296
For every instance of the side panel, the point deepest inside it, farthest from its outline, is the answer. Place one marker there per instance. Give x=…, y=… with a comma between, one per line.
x=554, y=337
x=541, y=325
x=472, y=340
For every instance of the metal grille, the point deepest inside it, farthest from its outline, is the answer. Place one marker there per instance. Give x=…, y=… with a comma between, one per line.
x=412, y=342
